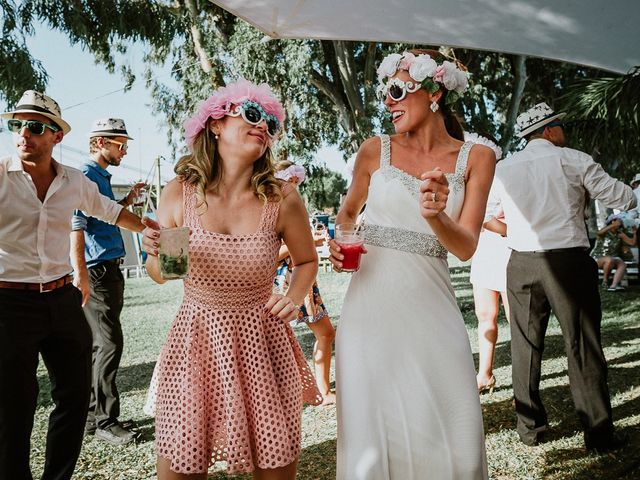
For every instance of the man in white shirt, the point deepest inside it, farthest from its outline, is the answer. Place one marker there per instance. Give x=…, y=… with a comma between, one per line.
x=543, y=191
x=41, y=309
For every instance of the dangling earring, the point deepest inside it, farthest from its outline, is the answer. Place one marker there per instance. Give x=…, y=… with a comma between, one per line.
x=217, y=137
x=434, y=106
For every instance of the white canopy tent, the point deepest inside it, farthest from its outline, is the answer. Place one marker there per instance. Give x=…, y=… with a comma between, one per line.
x=596, y=33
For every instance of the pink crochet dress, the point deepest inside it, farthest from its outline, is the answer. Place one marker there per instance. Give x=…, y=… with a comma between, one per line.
x=231, y=379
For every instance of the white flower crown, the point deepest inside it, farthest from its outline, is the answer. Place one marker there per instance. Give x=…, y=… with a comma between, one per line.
x=426, y=72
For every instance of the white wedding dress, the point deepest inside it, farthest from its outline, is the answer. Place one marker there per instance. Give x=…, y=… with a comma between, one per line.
x=408, y=405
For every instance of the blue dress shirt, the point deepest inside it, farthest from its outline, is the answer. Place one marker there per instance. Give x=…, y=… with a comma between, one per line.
x=102, y=241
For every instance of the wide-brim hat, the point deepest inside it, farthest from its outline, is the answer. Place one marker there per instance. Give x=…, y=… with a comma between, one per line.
x=36, y=102
x=536, y=117
x=636, y=178
x=109, y=127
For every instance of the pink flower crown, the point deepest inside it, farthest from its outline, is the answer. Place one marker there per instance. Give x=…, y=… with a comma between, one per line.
x=292, y=171
x=429, y=74
x=219, y=105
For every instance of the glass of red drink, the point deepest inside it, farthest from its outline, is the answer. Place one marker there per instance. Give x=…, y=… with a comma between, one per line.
x=350, y=238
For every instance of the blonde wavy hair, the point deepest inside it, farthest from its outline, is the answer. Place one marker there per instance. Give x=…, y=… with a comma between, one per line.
x=203, y=168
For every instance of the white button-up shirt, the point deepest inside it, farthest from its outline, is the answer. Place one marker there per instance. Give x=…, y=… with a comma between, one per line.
x=543, y=192
x=34, y=235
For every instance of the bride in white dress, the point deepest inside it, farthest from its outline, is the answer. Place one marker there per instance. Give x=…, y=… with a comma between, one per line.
x=408, y=406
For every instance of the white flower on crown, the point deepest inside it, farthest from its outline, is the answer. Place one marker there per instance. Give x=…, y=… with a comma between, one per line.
x=389, y=65
x=423, y=66
x=450, y=78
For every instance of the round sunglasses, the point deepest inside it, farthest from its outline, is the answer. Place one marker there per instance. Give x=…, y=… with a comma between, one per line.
x=396, y=89
x=253, y=114
x=34, y=126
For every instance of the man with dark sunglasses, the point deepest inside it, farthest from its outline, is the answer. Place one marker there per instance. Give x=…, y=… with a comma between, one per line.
x=97, y=250
x=41, y=308
x=543, y=192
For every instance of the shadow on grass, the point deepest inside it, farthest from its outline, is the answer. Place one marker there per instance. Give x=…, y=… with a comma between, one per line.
x=317, y=462
x=130, y=378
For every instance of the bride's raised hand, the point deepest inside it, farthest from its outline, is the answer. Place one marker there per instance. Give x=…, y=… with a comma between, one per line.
x=434, y=193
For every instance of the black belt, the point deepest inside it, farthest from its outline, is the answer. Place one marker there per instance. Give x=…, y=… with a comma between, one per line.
x=560, y=250
x=114, y=261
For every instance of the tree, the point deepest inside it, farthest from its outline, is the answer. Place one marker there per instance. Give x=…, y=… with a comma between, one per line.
x=323, y=188
x=104, y=28
x=604, y=116
x=327, y=86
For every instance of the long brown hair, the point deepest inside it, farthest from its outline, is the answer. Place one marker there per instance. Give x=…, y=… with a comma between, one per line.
x=203, y=168
x=451, y=121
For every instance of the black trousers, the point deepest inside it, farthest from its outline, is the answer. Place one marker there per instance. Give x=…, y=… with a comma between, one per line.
x=103, y=315
x=51, y=324
x=567, y=283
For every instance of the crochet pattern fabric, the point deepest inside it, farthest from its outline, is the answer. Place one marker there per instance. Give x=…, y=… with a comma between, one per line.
x=231, y=378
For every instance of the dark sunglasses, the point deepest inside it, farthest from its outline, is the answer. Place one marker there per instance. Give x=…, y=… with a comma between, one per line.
x=555, y=124
x=253, y=114
x=34, y=126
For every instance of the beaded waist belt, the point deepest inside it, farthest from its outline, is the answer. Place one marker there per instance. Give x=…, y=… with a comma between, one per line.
x=405, y=240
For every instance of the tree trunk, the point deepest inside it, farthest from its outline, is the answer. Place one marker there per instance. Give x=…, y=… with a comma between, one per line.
x=196, y=36
x=519, y=67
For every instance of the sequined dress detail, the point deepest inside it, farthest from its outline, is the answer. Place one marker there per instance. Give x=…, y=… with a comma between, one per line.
x=231, y=378
x=407, y=400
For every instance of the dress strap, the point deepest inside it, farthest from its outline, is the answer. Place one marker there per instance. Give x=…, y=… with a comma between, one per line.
x=457, y=179
x=385, y=150
x=189, y=201
x=272, y=209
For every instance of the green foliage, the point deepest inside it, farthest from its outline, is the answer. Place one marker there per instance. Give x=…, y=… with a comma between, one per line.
x=323, y=188
x=604, y=119
x=328, y=87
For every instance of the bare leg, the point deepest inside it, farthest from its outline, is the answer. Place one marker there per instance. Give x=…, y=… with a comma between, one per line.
x=606, y=264
x=322, y=348
x=621, y=268
x=287, y=472
x=487, y=304
x=165, y=472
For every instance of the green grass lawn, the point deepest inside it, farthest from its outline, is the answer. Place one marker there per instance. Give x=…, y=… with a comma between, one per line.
x=149, y=311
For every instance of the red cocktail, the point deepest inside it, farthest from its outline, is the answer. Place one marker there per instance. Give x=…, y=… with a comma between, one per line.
x=350, y=238
x=351, y=252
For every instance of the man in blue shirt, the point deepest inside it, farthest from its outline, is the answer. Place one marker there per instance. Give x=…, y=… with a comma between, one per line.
x=97, y=250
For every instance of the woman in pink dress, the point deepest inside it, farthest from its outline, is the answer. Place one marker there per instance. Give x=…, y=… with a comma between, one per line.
x=231, y=377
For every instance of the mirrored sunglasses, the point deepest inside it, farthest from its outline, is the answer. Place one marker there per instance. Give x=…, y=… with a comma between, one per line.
x=34, y=126
x=122, y=146
x=253, y=114
x=396, y=89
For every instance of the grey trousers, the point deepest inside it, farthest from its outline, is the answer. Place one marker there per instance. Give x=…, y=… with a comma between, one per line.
x=103, y=315
x=567, y=283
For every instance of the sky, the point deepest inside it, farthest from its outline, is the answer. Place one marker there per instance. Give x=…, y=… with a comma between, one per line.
x=86, y=91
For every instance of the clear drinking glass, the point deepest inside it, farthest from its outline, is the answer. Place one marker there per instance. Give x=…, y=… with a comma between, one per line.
x=173, y=252
x=350, y=238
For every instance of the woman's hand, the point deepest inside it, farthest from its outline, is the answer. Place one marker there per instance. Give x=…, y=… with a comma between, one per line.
x=336, y=257
x=150, y=236
x=434, y=193
x=282, y=307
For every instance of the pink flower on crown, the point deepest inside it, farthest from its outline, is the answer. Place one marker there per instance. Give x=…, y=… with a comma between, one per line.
x=219, y=104
x=407, y=59
x=438, y=74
